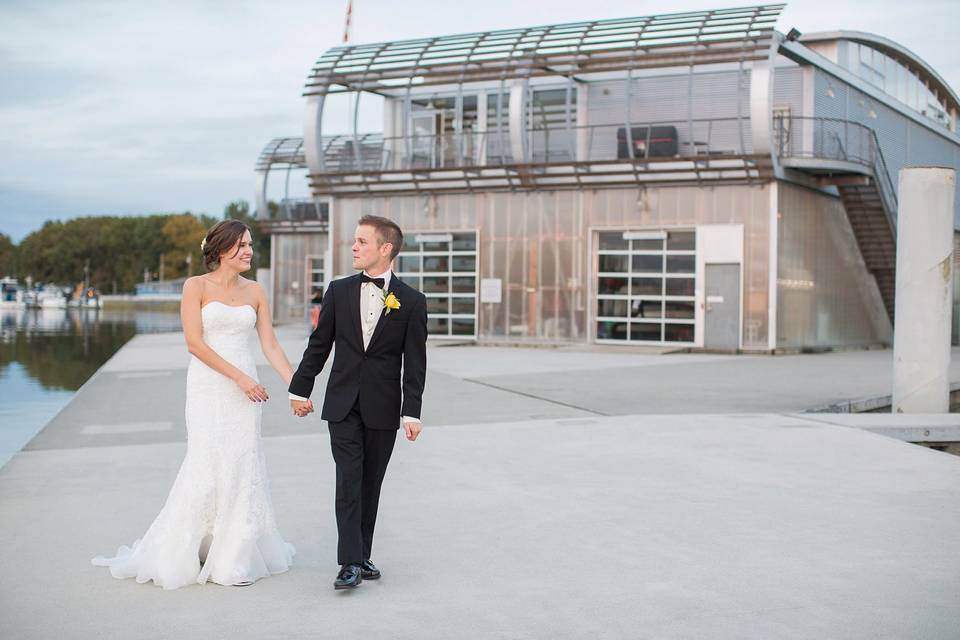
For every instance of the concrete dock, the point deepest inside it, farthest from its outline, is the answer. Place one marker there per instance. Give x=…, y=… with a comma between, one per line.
x=554, y=493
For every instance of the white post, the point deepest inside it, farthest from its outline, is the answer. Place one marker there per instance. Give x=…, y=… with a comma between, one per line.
x=924, y=291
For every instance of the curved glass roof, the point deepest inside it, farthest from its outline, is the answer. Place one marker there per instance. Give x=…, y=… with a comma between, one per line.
x=700, y=37
x=287, y=151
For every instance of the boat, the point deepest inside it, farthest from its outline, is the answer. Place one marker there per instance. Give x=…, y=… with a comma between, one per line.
x=88, y=298
x=50, y=297
x=11, y=293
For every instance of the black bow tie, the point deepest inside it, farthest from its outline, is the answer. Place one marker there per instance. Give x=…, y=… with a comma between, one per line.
x=377, y=281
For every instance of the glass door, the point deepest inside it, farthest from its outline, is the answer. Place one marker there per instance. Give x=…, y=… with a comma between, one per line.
x=444, y=267
x=424, y=139
x=645, y=286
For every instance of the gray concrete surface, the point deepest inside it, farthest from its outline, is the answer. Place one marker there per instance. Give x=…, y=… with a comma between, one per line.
x=909, y=427
x=518, y=515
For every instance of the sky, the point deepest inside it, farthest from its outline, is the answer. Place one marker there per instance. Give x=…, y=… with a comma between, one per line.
x=126, y=108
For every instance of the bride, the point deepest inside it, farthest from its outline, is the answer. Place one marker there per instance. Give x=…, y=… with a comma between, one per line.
x=218, y=522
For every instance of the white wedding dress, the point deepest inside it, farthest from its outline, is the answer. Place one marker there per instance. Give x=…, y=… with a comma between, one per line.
x=218, y=522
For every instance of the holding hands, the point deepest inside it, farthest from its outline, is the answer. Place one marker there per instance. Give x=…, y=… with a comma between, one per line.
x=301, y=407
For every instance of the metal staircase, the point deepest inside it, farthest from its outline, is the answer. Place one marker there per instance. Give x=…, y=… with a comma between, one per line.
x=847, y=155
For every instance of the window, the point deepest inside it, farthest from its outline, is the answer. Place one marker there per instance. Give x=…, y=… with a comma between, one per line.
x=315, y=277
x=645, y=286
x=444, y=267
x=897, y=80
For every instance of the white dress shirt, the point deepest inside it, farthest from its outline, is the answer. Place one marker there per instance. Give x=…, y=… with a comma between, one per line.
x=371, y=306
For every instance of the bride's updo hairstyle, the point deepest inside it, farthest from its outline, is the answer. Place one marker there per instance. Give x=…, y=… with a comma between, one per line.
x=220, y=239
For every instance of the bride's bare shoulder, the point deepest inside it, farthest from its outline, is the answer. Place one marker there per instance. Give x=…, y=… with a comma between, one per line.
x=253, y=291
x=193, y=286
x=251, y=285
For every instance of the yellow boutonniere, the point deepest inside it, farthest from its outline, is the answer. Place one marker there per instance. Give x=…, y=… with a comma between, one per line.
x=390, y=302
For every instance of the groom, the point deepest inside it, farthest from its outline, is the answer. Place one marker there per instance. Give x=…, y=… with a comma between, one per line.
x=378, y=324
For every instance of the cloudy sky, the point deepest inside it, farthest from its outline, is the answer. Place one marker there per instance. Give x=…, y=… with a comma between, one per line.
x=131, y=108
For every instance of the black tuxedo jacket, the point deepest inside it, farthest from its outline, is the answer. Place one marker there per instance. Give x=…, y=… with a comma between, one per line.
x=400, y=338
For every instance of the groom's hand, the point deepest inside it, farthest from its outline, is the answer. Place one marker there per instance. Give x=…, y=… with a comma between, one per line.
x=412, y=429
x=301, y=407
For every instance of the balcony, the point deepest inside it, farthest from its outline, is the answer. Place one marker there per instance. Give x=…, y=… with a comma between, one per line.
x=717, y=149
x=295, y=214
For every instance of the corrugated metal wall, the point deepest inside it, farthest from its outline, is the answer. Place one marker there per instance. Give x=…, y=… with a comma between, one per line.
x=788, y=89
x=903, y=141
x=825, y=295
x=290, y=279
x=537, y=244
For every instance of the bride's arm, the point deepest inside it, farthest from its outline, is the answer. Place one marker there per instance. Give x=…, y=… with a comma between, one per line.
x=272, y=350
x=193, y=332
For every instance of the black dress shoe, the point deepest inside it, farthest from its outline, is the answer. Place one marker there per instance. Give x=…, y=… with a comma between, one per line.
x=369, y=570
x=350, y=577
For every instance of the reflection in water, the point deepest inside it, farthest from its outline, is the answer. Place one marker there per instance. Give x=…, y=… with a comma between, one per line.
x=62, y=348
x=46, y=354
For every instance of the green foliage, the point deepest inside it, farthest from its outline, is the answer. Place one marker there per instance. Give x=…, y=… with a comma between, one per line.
x=117, y=250
x=183, y=235
x=8, y=256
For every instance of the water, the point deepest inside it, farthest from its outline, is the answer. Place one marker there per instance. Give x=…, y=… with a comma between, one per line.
x=47, y=354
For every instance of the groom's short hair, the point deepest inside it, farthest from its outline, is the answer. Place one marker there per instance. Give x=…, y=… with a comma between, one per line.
x=387, y=231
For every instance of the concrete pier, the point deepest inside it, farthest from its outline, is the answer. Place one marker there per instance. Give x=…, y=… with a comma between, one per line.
x=553, y=494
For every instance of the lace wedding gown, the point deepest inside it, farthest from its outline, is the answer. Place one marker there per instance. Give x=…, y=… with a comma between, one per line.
x=218, y=522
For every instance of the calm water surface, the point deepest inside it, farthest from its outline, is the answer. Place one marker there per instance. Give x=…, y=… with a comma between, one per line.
x=47, y=354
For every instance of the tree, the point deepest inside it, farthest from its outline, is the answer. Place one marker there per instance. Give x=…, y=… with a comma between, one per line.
x=183, y=235
x=40, y=250
x=8, y=256
x=115, y=251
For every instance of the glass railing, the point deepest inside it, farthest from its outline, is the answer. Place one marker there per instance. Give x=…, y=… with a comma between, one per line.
x=299, y=210
x=646, y=141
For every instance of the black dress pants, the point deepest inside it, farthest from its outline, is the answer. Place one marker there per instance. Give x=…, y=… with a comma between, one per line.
x=361, y=455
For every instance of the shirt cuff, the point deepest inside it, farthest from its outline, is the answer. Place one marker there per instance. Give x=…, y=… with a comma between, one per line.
x=410, y=419
x=294, y=396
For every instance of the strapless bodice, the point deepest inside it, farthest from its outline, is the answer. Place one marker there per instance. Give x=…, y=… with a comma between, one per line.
x=227, y=327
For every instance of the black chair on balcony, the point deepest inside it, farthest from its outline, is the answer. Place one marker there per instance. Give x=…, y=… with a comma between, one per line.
x=648, y=142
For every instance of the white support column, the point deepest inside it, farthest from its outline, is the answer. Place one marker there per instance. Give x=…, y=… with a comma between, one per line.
x=518, y=120
x=261, y=209
x=312, y=134
x=761, y=105
x=480, y=131
x=924, y=291
x=584, y=134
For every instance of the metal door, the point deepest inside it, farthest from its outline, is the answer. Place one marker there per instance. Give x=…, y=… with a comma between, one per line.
x=722, y=307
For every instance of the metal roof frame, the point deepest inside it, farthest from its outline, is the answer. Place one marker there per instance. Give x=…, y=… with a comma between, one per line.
x=285, y=151
x=677, y=39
